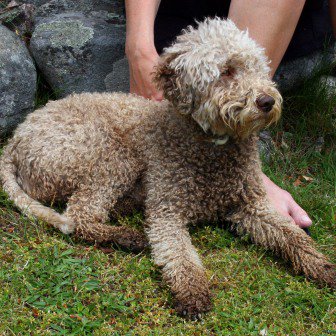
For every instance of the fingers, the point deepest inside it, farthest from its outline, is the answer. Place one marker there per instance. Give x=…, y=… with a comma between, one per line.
x=284, y=204
x=141, y=74
x=299, y=216
x=291, y=209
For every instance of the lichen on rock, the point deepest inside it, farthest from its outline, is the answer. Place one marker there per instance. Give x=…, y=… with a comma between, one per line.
x=75, y=51
x=66, y=33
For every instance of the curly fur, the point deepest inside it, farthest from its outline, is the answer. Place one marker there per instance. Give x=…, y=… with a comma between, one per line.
x=107, y=153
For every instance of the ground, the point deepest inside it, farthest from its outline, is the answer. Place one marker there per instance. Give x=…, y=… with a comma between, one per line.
x=53, y=285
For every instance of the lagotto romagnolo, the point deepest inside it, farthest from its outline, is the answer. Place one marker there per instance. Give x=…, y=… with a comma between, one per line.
x=191, y=158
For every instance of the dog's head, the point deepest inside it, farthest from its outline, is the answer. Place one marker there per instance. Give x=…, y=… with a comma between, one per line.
x=220, y=76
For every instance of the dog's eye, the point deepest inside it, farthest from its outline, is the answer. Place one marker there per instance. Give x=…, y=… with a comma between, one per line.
x=228, y=72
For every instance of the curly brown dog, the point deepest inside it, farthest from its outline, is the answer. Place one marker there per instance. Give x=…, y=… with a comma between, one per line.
x=190, y=158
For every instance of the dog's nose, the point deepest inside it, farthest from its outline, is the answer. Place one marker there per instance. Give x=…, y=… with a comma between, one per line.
x=265, y=102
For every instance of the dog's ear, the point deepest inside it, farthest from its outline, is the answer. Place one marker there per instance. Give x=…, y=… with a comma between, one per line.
x=171, y=80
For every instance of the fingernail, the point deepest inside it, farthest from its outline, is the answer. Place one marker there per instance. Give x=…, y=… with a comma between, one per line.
x=306, y=220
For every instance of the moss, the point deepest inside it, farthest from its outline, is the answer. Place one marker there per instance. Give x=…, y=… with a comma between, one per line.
x=66, y=33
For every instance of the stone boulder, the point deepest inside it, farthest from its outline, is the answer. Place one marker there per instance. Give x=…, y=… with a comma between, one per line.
x=34, y=2
x=18, y=81
x=112, y=10
x=118, y=79
x=329, y=83
x=75, y=51
x=18, y=18
x=76, y=5
x=293, y=73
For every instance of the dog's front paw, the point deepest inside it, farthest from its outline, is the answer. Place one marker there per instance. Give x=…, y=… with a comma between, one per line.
x=326, y=275
x=194, y=306
x=321, y=271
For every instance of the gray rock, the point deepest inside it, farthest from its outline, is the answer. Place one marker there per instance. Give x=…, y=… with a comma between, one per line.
x=266, y=145
x=293, y=73
x=118, y=79
x=76, y=52
x=17, y=81
x=114, y=8
x=99, y=4
x=329, y=82
x=18, y=17
x=35, y=2
x=319, y=144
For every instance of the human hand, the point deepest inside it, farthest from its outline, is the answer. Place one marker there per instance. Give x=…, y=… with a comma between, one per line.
x=141, y=66
x=284, y=204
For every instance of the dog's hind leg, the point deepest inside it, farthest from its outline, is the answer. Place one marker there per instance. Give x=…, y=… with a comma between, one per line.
x=271, y=230
x=89, y=206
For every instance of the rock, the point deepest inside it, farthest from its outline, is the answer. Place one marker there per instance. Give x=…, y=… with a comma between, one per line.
x=35, y=2
x=266, y=145
x=329, y=82
x=113, y=8
x=17, y=81
x=118, y=79
x=75, y=52
x=18, y=17
x=319, y=144
x=293, y=73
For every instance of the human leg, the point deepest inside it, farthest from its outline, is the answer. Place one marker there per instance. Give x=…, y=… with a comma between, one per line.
x=332, y=8
x=270, y=22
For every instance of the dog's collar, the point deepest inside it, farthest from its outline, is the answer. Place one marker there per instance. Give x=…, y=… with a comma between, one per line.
x=220, y=141
x=217, y=141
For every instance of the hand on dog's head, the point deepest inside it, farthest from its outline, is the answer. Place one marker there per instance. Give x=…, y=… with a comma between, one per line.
x=220, y=76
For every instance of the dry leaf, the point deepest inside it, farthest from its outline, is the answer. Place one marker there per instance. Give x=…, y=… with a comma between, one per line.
x=284, y=144
x=112, y=321
x=298, y=182
x=308, y=178
x=35, y=312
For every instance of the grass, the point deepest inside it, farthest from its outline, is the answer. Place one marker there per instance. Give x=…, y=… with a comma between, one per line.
x=52, y=285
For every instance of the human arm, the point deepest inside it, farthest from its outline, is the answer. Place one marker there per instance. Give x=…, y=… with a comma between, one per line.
x=140, y=49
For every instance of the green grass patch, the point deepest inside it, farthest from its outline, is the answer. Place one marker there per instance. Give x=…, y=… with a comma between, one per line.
x=52, y=285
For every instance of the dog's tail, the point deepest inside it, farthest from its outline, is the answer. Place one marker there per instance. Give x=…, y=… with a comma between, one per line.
x=29, y=206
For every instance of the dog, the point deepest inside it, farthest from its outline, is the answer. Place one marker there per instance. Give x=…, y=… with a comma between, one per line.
x=191, y=158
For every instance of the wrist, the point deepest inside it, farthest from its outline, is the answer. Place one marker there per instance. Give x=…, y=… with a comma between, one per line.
x=137, y=49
